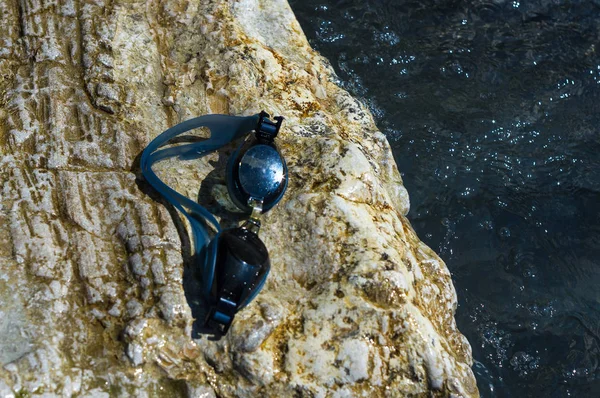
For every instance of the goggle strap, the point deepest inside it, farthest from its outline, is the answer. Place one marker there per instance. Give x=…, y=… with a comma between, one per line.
x=208, y=265
x=224, y=129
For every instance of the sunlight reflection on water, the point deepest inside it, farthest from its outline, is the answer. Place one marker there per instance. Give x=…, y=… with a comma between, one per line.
x=493, y=113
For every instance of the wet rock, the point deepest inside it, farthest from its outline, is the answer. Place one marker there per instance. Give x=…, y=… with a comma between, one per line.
x=92, y=268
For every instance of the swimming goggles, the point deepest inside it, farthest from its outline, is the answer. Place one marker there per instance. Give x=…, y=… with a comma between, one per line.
x=234, y=264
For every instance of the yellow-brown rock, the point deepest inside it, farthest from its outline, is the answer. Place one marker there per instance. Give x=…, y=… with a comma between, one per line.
x=91, y=268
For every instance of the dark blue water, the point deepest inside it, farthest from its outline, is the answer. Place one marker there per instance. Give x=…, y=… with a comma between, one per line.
x=493, y=113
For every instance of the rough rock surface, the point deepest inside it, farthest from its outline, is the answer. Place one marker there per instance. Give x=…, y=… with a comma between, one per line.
x=91, y=267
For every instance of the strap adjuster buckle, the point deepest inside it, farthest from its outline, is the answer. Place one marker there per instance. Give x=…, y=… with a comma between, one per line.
x=267, y=129
x=221, y=315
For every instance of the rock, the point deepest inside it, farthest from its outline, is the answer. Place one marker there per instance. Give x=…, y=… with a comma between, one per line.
x=201, y=391
x=93, y=270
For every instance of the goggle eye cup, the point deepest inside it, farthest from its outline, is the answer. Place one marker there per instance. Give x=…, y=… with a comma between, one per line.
x=257, y=170
x=261, y=171
x=242, y=267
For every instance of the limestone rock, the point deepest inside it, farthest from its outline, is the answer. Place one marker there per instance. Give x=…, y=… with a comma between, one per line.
x=91, y=267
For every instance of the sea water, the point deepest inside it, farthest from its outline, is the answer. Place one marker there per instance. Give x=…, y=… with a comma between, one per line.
x=492, y=109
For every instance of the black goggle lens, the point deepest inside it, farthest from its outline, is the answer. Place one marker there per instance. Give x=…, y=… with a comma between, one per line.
x=241, y=267
x=261, y=171
x=257, y=170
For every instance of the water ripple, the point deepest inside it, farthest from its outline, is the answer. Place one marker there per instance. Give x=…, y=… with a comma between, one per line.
x=492, y=108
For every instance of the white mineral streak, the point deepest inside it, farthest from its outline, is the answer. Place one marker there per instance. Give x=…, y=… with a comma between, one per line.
x=91, y=268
